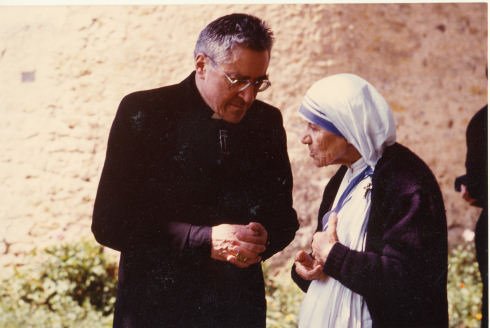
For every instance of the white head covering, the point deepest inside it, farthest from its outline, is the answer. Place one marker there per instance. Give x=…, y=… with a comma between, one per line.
x=351, y=107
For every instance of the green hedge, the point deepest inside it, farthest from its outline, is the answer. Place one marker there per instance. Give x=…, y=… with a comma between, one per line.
x=71, y=285
x=464, y=287
x=464, y=292
x=283, y=298
x=74, y=285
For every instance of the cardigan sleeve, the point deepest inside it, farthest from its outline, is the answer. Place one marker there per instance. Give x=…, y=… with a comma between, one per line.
x=400, y=239
x=409, y=260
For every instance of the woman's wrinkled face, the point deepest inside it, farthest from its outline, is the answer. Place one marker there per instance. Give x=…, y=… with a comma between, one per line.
x=326, y=148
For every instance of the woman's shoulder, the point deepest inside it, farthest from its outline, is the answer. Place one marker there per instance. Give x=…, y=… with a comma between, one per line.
x=399, y=166
x=400, y=157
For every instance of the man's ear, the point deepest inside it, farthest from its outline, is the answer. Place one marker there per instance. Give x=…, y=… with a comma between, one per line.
x=200, y=64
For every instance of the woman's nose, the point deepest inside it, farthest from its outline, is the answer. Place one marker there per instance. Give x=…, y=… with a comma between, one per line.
x=306, y=139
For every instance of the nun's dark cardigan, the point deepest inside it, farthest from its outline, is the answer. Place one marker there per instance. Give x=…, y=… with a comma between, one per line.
x=402, y=273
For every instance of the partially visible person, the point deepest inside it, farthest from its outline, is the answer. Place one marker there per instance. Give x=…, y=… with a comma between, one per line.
x=474, y=189
x=196, y=188
x=379, y=256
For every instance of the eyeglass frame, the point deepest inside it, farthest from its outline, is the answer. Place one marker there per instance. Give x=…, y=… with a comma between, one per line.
x=234, y=82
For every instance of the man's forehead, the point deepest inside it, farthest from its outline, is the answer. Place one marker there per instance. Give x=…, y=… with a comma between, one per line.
x=246, y=63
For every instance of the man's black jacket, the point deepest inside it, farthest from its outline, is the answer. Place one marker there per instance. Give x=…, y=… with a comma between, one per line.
x=169, y=176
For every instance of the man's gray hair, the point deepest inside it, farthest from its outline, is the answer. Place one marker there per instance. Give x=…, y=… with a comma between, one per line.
x=219, y=37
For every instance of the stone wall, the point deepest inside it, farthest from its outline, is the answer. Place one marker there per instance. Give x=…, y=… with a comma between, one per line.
x=63, y=71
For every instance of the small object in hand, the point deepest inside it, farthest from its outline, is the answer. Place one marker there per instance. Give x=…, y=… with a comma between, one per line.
x=241, y=258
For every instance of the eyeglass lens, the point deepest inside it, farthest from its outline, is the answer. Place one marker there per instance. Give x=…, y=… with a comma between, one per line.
x=259, y=85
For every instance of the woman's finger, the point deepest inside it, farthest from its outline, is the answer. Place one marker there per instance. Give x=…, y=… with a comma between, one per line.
x=332, y=228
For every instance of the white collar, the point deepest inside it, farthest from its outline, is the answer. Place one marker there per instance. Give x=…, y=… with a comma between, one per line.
x=356, y=168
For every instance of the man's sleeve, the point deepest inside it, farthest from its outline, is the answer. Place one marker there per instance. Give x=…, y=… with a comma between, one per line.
x=280, y=218
x=126, y=214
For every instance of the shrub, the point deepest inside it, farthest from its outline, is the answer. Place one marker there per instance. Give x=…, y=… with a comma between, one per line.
x=464, y=287
x=74, y=285
x=283, y=298
x=62, y=286
x=464, y=292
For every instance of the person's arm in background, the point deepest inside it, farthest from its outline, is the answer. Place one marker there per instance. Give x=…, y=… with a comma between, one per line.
x=476, y=159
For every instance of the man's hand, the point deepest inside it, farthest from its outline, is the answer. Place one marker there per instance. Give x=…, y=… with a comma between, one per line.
x=240, y=245
x=255, y=234
x=307, y=267
x=324, y=241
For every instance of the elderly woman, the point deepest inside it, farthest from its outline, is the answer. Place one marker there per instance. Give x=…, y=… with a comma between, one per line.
x=379, y=257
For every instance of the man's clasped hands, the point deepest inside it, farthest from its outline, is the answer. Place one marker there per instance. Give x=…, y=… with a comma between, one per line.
x=241, y=245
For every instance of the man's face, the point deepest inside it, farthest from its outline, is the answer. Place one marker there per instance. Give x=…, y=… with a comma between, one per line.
x=226, y=100
x=326, y=148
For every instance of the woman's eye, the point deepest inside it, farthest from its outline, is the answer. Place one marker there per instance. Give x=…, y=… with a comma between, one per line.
x=313, y=127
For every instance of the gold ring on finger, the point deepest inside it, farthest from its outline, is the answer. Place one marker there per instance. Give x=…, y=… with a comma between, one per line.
x=241, y=258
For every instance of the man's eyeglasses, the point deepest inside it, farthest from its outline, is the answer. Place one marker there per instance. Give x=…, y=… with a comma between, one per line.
x=242, y=84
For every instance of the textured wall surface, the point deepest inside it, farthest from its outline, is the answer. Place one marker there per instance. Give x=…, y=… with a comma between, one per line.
x=63, y=71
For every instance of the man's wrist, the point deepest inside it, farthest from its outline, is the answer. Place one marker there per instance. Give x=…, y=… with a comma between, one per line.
x=200, y=237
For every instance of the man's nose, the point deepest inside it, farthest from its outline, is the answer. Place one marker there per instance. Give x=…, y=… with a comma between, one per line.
x=248, y=95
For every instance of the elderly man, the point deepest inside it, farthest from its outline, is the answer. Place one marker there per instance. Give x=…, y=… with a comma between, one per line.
x=196, y=188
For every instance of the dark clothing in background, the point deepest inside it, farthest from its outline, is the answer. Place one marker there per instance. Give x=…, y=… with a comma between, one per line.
x=172, y=172
x=476, y=181
x=477, y=157
x=402, y=274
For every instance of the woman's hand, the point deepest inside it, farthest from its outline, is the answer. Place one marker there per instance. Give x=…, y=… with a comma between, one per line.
x=324, y=241
x=307, y=268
